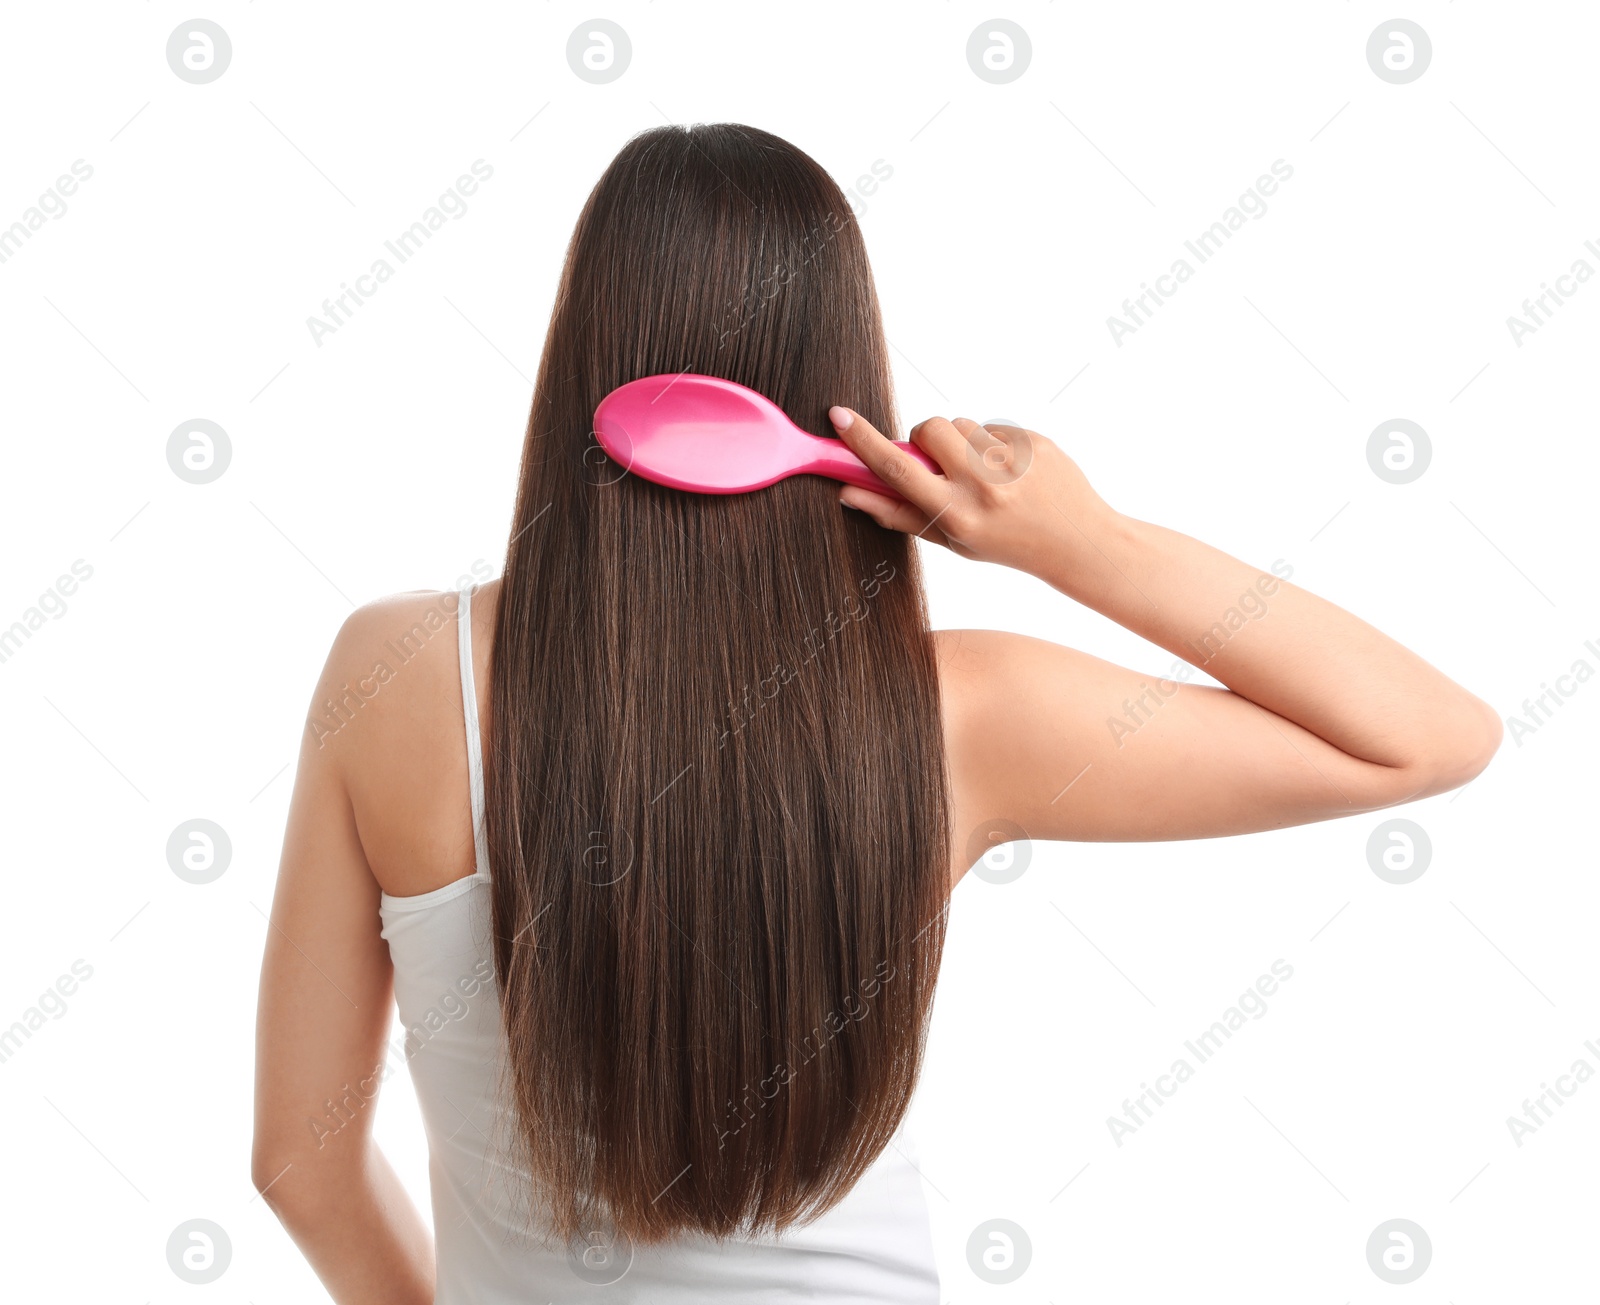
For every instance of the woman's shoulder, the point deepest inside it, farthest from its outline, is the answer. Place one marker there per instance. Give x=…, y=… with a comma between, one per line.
x=415, y=615
x=388, y=644
x=977, y=666
x=406, y=630
x=388, y=713
x=1009, y=726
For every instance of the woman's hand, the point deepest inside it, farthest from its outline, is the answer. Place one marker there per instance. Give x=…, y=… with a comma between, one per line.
x=1007, y=495
x=1322, y=716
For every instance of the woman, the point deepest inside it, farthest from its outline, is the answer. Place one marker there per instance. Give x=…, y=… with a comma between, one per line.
x=654, y=836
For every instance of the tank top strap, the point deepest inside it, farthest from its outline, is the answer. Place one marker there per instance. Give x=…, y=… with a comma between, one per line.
x=469, y=709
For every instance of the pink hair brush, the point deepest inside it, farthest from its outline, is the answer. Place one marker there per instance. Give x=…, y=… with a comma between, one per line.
x=711, y=436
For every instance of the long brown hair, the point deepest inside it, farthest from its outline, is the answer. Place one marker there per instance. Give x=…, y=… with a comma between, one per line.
x=717, y=813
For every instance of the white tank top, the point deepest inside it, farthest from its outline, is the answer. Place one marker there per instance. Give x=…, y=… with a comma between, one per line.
x=874, y=1248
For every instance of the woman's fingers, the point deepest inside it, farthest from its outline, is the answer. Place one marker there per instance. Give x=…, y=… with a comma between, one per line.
x=891, y=513
x=942, y=441
x=999, y=453
x=982, y=444
x=978, y=437
x=894, y=467
x=1004, y=494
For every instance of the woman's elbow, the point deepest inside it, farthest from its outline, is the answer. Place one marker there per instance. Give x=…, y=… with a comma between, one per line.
x=1465, y=749
x=266, y=1168
x=273, y=1159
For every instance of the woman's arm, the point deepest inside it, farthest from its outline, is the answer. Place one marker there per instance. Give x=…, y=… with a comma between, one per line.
x=326, y=986
x=1322, y=715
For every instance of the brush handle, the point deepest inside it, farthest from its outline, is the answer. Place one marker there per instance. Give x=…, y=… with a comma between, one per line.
x=834, y=460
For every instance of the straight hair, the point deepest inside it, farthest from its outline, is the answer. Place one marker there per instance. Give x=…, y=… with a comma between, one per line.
x=717, y=809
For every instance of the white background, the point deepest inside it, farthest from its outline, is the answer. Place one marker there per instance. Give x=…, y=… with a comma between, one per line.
x=1017, y=219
